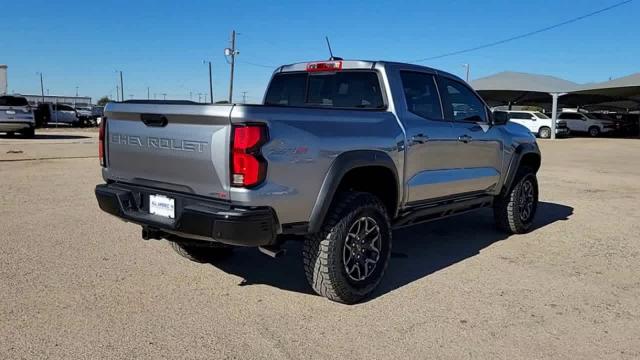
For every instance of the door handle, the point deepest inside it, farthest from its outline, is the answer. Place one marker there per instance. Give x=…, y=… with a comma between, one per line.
x=419, y=139
x=465, y=138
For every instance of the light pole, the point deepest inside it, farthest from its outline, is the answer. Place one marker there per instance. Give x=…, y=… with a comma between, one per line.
x=148, y=93
x=164, y=96
x=467, y=67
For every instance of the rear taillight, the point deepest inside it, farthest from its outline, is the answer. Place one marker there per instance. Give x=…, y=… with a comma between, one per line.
x=248, y=167
x=101, y=142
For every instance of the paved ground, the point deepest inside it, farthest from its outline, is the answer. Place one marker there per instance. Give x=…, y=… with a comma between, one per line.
x=76, y=283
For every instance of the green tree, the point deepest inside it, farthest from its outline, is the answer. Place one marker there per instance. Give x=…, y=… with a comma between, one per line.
x=104, y=100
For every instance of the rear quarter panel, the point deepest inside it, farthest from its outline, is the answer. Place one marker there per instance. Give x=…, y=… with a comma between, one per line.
x=303, y=143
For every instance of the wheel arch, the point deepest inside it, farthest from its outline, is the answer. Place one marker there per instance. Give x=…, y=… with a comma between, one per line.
x=347, y=172
x=524, y=155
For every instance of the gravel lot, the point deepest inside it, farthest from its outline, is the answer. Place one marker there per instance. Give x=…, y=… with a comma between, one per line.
x=78, y=283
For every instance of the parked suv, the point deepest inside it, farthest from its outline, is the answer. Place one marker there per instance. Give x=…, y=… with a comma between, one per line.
x=538, y=123
x=16, y=116
x=339, y=154
x=588, y=123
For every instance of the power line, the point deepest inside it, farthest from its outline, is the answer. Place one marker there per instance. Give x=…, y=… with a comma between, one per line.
x=517, y=37
x=255, y=64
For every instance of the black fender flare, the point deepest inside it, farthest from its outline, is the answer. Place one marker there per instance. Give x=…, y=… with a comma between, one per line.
x=518, y=154
x=344, y=163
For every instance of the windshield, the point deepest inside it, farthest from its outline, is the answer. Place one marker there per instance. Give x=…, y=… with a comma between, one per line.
x=541, y=115
x=344, y=89
x=13, y=101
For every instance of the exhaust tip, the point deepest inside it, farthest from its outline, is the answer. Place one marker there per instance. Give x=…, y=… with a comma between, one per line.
x=272, y=251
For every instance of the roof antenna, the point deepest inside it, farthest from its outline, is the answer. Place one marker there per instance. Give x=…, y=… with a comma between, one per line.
x=331, y=52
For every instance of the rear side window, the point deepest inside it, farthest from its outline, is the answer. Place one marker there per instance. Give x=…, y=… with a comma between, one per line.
x=460, y=103
x=520, y=115
x=13, y=101
x=421, y=94
x=570, y=116
x=287, y=90
x=343, y=89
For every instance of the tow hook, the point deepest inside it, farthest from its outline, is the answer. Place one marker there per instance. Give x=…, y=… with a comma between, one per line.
x=273, y=251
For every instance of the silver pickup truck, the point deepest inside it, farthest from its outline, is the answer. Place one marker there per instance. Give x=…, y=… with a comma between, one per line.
x=339, y=154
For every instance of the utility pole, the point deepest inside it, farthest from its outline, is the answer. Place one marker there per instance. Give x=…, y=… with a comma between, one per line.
x=231, y=52
x=148, y=93
x=117, y=92
x=210, y=83
x=199, y=97
x=244, y=97
x=121, y=87
x=41, y=86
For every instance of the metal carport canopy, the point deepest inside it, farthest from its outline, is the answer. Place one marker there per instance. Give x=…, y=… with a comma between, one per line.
x=507, y=88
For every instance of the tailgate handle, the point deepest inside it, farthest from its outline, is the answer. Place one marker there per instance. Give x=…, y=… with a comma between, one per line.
x=157, y=120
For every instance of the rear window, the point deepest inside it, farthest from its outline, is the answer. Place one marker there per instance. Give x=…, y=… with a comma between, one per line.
x=13, y=101
x=344, y=89
x=541, y=115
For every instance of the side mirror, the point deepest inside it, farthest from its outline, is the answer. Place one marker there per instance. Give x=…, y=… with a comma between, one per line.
x=499, y=117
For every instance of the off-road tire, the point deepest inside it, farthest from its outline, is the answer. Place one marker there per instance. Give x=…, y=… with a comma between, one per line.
x=594, y=131
x=544, y=132
x=323, y=251
x=506, y=209
x=202, y=252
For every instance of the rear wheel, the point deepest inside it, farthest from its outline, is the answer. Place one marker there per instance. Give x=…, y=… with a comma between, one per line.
x=201, y=251
x=28, y=133
x=594, y=131
x=544, y=132
x=515, y=210
x=346, y=260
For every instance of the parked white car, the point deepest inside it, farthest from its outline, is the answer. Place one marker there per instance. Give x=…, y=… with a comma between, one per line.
x=538, y=123
x=583, y=122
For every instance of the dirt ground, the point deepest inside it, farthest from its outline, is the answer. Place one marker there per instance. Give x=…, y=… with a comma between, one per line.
x=78, y=283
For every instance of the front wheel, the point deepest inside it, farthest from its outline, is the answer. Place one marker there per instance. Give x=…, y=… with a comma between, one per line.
x=515, y=210
x=346, y=260
x=594, y=131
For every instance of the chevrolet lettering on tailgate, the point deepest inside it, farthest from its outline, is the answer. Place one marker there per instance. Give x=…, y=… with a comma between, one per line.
x=159, y=143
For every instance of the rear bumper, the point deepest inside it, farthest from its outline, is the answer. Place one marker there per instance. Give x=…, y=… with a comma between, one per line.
x=15, y=125
x=196, y=217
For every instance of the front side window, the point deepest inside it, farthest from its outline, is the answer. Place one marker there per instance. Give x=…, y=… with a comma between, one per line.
x=460, y=103
x=342, y=89
x=421, y=94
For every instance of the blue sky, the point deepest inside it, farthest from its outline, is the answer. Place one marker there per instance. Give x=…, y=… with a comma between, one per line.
x=161, y=44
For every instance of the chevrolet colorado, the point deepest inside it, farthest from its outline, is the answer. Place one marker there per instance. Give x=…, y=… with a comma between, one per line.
x=339, y=153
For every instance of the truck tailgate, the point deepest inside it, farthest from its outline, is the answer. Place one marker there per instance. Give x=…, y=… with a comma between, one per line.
x=174, y=147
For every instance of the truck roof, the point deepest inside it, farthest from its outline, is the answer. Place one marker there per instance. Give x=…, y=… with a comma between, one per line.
x=361, y=64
